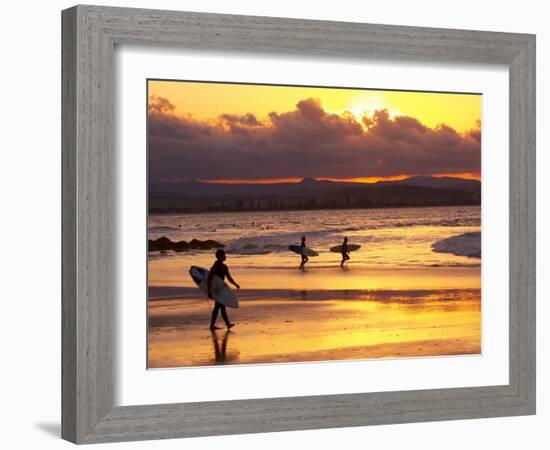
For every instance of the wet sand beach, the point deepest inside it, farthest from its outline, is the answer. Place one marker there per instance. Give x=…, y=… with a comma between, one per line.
x=291, y=325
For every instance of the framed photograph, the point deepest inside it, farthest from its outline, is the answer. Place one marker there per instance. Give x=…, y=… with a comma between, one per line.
x=267, y=222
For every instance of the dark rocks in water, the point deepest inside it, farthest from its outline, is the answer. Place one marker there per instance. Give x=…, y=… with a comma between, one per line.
x=163, y=244
x=160, y=244
x=209, y=244
x=181, y=246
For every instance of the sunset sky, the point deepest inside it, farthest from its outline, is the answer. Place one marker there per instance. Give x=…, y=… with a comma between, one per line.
x=253, y=133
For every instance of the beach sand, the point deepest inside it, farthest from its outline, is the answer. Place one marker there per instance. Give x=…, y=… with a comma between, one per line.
x=438, y=314
x=164, y=273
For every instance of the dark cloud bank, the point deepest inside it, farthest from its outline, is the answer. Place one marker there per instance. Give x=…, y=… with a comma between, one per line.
x=306, y=142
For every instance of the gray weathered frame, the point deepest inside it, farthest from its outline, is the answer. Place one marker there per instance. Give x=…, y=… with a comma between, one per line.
x=89, y=36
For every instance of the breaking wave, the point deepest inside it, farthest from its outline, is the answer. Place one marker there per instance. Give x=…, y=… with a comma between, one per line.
x=467, y=244
x=162, y=229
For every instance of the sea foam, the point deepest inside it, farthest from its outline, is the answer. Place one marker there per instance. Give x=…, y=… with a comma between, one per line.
x=467, y=244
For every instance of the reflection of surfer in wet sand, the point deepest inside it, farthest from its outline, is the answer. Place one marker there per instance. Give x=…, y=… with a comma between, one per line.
x=345, y=252
x=305, y=259
x=220, y=350
x=222, y=354
x=220, y=269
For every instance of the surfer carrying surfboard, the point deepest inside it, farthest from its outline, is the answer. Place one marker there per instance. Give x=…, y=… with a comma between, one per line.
x=305, y=259
x=345, y=252
x=220, y=269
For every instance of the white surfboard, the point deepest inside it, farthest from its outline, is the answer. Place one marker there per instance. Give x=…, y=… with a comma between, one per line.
x=351, y=248
x=306, y=250
x=221, y=292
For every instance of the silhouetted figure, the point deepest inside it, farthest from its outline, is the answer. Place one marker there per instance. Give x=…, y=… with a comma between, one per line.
x=220, y=269
x=345, y=252
x=305, y=259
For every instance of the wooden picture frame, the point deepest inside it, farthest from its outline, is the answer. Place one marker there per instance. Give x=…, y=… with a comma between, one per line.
x=90, y=34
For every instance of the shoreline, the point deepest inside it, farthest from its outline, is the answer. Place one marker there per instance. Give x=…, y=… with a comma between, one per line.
x=330, y=279
x=167, y=293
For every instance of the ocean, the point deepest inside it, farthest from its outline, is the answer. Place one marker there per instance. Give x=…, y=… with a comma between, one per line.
x=389, y=238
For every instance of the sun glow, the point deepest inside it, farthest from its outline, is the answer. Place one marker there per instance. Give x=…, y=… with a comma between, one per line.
x=206, y=101
x=367, y=104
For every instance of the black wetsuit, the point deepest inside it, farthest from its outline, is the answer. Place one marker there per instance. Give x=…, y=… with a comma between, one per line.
x=345, y=255
x=305, y=259
x=221, y=270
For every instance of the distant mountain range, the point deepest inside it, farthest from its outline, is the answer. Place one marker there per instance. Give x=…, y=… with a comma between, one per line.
x=198, y=196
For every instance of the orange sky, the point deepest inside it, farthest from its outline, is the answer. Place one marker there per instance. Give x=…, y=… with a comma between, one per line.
x=465, y=175
x=206, y=102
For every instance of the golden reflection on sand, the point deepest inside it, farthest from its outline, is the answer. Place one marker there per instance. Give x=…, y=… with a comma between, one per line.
x=167, y=273
x=269, y=331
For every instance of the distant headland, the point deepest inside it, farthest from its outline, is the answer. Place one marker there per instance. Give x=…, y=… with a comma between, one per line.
x=194, y=196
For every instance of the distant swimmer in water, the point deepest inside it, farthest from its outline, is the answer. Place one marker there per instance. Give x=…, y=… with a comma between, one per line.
x=220, y=269
x=345, y=252
x=305, y=259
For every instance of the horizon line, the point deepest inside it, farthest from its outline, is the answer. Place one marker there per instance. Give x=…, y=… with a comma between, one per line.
x=475, y=176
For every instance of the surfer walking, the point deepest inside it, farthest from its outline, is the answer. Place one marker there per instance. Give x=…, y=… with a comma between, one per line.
x=305, y=259
x=220, y=269
x=345, y=252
